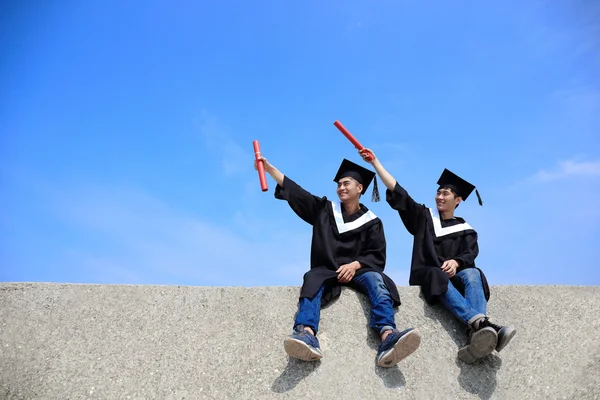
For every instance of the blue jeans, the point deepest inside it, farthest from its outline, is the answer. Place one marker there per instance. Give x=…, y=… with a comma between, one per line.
x=473, y=304
x=370, y=283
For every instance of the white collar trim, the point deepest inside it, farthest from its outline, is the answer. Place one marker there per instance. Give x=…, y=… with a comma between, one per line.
x=344, y=227
x=439, y=231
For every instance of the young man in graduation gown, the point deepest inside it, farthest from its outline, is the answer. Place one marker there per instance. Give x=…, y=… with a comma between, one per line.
x=348, y=248
x=443, y=258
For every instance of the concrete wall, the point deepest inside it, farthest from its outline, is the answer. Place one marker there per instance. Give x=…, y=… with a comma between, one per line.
x=63, y=341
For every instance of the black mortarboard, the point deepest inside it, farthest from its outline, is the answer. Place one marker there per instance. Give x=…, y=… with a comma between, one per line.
x=360, y=174
x=458, y=185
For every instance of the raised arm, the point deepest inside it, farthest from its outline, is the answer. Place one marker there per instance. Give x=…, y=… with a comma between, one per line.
x=304, y=204
x=271, y=170
x=411, y=213
x=387, y=179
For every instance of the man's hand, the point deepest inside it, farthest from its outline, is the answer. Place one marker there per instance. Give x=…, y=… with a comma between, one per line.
x=367, y=155
x=268, y=167
x=449, y=267
x=346, y=272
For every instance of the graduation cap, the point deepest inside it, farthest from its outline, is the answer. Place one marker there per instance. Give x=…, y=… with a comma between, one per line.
x=458, y=185
x=348, y=169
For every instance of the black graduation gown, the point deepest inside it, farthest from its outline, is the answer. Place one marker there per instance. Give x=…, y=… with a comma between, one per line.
x=435, y=241
x=337, y=239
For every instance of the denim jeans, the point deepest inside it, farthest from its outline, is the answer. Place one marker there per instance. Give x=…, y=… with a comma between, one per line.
x=473, y=304
x=370, y=283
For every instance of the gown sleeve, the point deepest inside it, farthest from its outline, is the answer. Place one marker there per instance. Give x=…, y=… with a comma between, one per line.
x=374, y=250
x=411, y=213
x=304, y=204
x=469, y=251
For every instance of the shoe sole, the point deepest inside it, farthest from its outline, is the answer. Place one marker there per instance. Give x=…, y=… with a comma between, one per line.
x=405, y=346
x=300, y=350
x=483, y=342
x=505, y=336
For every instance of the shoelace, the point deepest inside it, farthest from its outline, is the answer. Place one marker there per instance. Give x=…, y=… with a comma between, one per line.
x=390, y=336
x=486, y=322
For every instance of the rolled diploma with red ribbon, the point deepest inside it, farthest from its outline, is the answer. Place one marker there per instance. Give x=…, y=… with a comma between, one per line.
x=261, y=167
x=351, y=138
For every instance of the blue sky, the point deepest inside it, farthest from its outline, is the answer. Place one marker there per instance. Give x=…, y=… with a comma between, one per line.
x=126, y=132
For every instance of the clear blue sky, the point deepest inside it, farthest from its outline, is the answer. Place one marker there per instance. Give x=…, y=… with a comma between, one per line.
x=126, y=132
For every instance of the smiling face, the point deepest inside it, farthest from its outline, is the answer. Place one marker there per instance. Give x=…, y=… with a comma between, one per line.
x=446, y=200
x=348, y=189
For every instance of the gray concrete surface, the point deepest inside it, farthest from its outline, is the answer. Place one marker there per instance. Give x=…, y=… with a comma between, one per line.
x=61, y=341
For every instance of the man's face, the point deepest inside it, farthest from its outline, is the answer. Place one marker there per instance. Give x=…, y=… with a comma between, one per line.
x=348, y=189
x=446, y=200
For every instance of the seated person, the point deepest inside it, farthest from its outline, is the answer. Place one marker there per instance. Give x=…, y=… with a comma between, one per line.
x=443, y=258
x=348, y=248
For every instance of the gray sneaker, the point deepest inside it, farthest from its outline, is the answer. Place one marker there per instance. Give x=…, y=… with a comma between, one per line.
x=481, y=343
x=505, y=333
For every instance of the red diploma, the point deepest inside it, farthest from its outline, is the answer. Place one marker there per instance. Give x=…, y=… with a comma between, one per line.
x=351, y=138
x=261, y=167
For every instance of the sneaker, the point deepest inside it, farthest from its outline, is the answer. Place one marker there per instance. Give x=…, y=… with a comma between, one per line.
x=397, y=346
x=482, y=342
x=302, y=345
x=505, y=333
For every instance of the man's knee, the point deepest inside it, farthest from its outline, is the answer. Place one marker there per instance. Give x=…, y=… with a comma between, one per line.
x=374, y=284
x=470, y=275
x=372, y=279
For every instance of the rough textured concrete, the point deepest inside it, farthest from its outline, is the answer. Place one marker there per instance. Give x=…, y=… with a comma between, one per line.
x=158, y=342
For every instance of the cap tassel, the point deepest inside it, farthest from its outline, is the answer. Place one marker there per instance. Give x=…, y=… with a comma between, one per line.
x=478, y=197
x=375, y=195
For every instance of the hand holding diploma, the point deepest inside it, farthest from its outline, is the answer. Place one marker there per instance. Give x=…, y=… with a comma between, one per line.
x=259, y=166
x=367, y=155
x=268, y=168
x=388, y=180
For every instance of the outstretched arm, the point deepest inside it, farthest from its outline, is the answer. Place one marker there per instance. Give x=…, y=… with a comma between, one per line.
x=411, y=213
x=386, y=177
x=304, y=204
x=271, y=170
